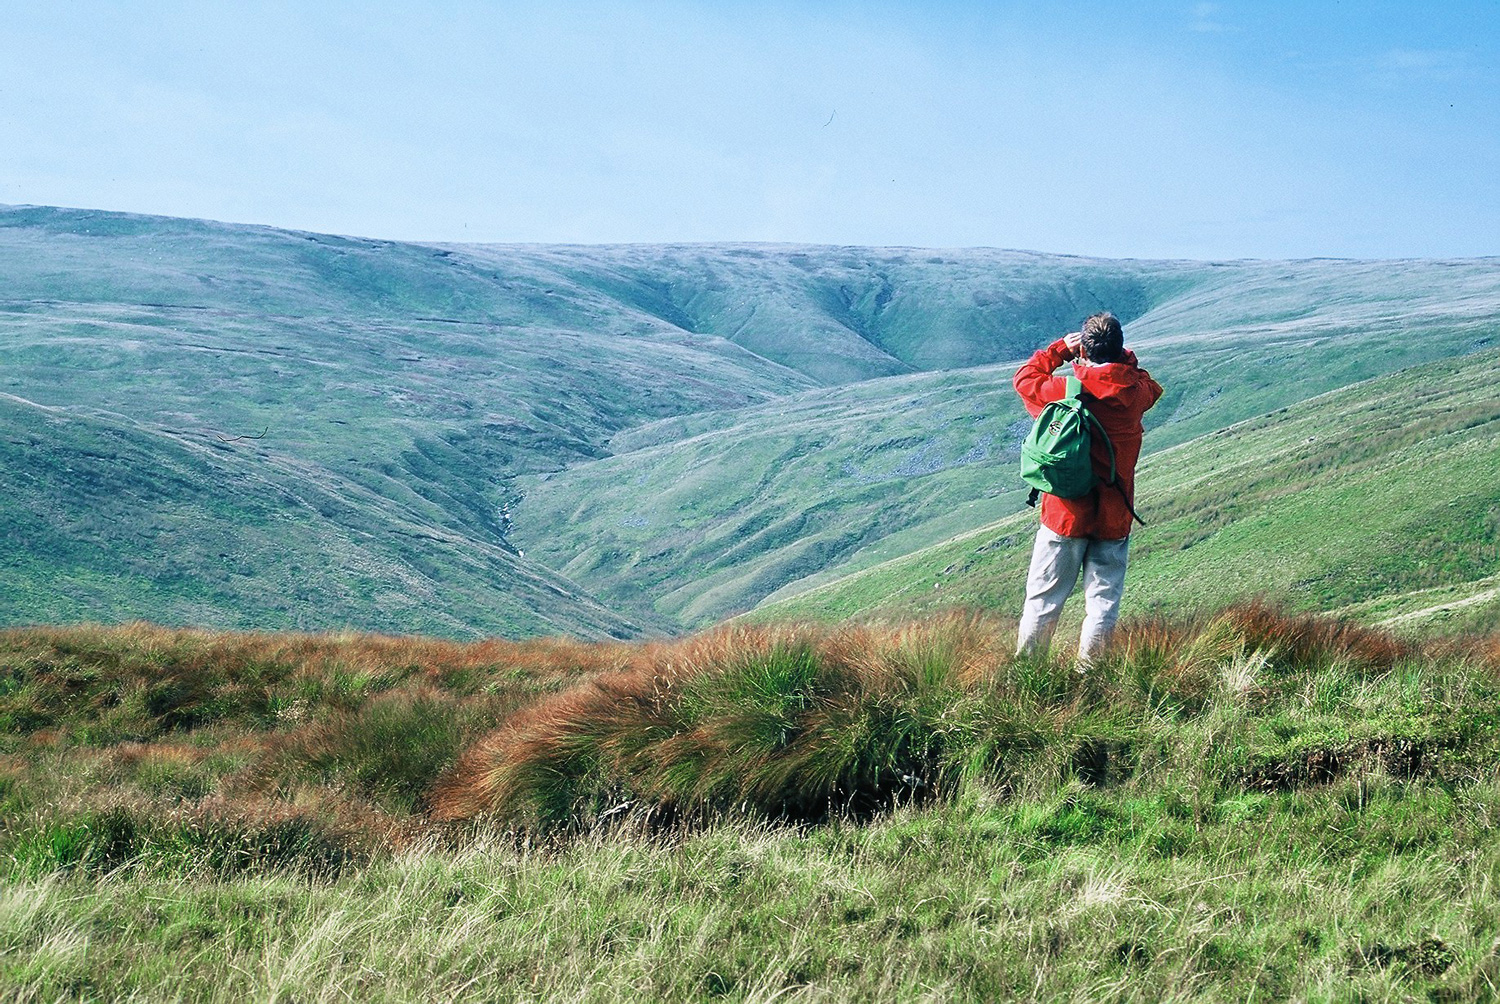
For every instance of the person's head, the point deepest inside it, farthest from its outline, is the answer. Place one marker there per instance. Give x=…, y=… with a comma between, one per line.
x=1103, y=341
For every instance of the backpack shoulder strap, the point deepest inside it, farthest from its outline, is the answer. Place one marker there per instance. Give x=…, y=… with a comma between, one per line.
x=1135, y=515
x=1075, y=387
x=1107, y=442
x=1114, y=480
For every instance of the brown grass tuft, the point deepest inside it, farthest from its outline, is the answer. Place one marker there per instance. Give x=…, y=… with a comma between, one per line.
x=782, y=718
x=1304, y=639
x=742, y=712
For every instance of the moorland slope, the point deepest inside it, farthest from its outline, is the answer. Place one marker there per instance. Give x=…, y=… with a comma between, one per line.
x=108, y=520
x=1382, y=499
x=699, y=517
x=676, y=431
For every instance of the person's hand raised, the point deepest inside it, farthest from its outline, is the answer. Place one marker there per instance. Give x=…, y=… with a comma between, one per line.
x=1074, y=341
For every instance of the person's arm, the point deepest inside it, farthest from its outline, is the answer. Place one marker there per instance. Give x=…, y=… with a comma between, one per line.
x=1152, y=388
x=1034, y=380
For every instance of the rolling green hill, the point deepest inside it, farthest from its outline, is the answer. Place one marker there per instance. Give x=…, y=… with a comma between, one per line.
x=697, y=518
x=1381, y=499
x=680, y=430
x=703, y=516
x=105, y=520
x=843, y=314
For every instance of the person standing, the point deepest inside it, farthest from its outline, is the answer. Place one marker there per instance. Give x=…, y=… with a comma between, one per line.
x=1089, y=535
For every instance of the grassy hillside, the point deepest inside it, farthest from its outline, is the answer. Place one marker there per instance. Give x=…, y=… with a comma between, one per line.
x=1258, y=336
x=107, y=520
x=1242, y=806
x=418, y=388
x=425, y=380
x=699, y=517
x=843, y=314
x=390, y=364
x=1368, y=498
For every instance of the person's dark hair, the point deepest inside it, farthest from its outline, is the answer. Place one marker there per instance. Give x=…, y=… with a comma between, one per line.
x=1103, y=341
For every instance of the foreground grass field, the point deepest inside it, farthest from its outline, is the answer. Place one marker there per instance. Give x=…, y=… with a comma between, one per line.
x=1243, y=806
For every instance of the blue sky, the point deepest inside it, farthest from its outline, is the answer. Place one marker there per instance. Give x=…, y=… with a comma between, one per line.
x=1196, y=130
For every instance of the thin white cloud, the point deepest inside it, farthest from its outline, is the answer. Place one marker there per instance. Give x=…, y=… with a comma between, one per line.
x=1423, y=59
x=1396, y=67
x=1205, y=17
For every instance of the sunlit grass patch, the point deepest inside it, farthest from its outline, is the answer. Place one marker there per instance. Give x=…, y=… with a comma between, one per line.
x=1078, y=896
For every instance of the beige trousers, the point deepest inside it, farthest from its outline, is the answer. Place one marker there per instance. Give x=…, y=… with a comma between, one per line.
x=1056, y=562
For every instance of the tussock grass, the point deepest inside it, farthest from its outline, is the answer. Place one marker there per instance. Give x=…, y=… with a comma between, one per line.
x=269, y=747
x=808, y=720
x=1238, y=806
x=373, y=739
x=792, y=720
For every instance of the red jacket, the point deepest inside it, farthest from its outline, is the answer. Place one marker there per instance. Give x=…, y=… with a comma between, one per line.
x=1118, y=394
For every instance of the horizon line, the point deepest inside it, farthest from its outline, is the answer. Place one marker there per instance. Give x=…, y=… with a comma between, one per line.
x=728, y=242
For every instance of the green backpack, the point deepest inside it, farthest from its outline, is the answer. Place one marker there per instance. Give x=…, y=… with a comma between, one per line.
x=1055, y=458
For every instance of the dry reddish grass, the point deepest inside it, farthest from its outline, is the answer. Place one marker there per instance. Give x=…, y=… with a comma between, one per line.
x=1307, y=638
x=277, y=726
x=192, y=653
x=631, y=700
x=629, y=723
x=525, y=711
x=632, y=717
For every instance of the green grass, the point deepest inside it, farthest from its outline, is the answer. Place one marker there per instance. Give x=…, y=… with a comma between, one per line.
x=1088, y=897
x=118, y=521
x=188, y=744
x=1249, y=806
x=1358, y=500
